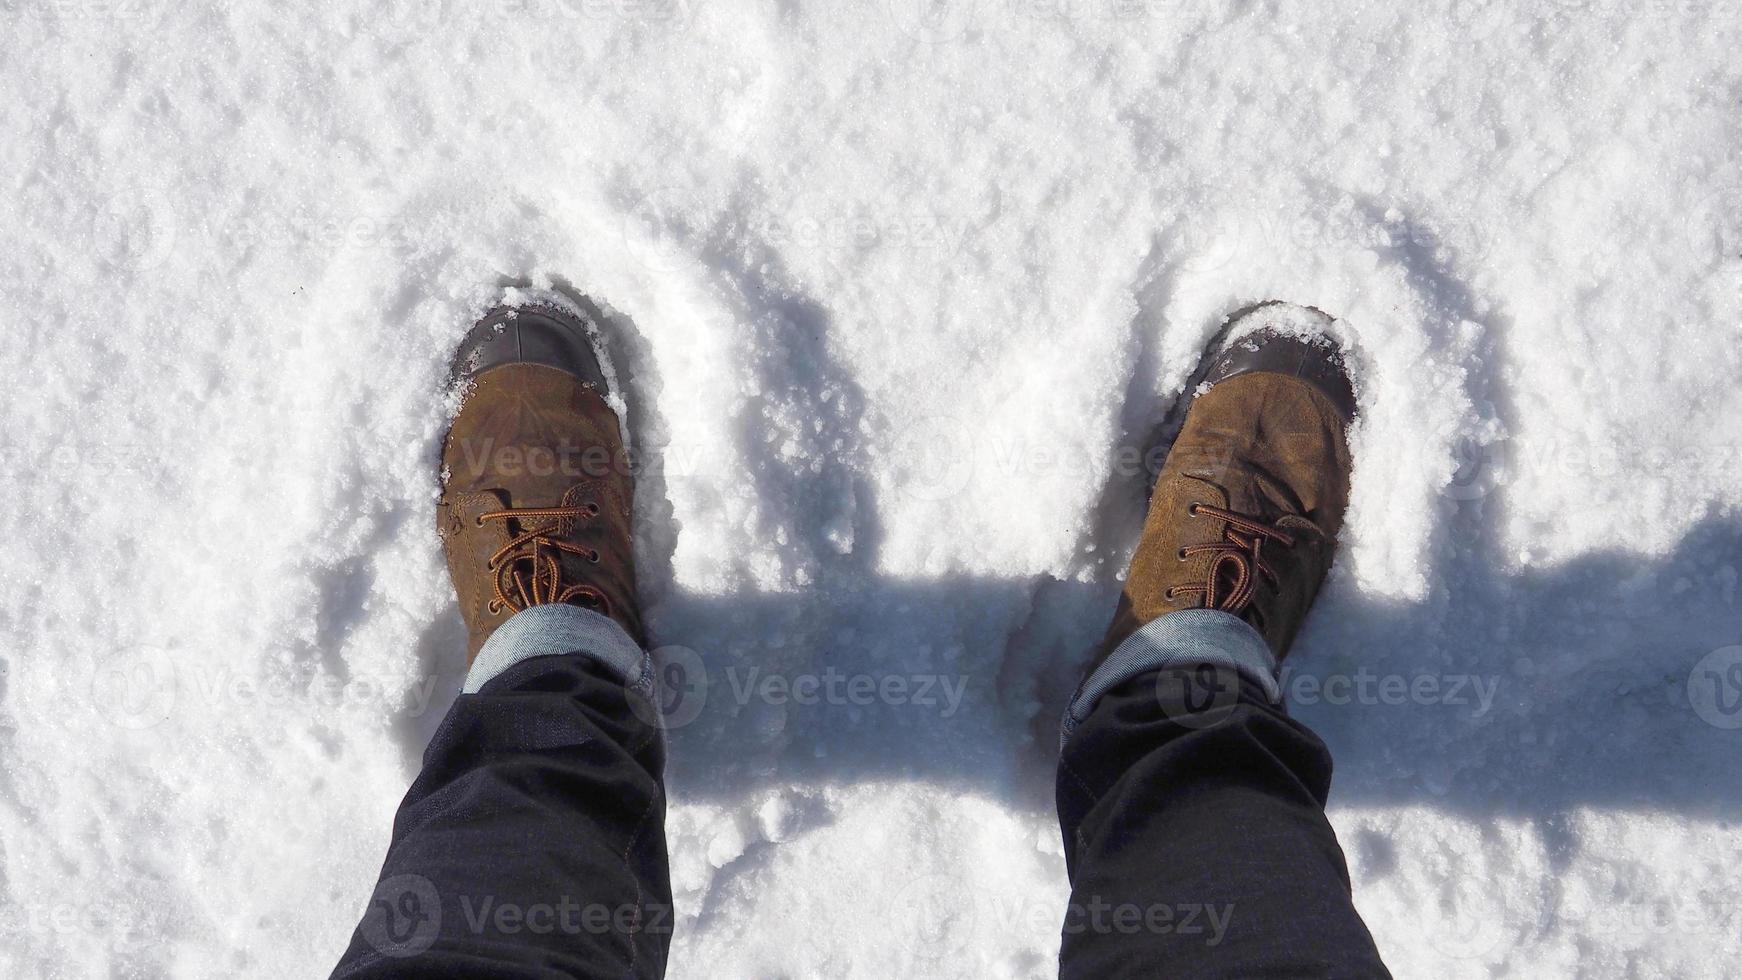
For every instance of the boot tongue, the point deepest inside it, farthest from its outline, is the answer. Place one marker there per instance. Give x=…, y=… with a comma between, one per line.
x=1252, y=493
x=549, y=526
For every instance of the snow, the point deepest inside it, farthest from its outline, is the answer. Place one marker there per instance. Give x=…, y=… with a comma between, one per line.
x=906, y=288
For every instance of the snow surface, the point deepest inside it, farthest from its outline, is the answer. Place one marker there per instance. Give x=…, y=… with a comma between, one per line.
x=907, y=287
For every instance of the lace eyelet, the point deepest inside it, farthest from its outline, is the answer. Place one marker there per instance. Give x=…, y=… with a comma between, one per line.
x=479, y=521
x=592, y=508
x=1182, y=555
x=1192, y=510
x=1170, y=593
x=593, y=556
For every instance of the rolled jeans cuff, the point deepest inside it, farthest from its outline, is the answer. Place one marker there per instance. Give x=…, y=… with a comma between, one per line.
x=1189, y=638
x=556, y=629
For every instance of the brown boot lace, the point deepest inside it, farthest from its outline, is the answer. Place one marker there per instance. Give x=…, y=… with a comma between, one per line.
x=529, y=570
x=1243, y=548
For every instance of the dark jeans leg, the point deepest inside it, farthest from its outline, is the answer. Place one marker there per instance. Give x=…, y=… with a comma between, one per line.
x=1197, y=841
x=533, y=842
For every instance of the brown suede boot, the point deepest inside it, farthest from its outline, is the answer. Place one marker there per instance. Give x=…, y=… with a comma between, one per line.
x=1245, y=513
x=537, y=490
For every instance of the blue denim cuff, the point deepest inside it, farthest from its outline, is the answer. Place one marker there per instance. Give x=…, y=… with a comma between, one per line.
x=1182, y=639
x=554, y=629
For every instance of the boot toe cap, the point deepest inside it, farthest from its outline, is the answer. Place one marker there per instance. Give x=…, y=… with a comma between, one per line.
x=530, y=335
x=1280, y=338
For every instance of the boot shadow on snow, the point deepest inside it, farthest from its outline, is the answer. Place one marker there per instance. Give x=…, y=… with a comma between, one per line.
x=1508, y=713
